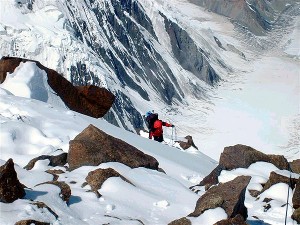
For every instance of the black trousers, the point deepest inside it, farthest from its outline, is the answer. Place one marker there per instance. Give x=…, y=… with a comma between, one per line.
x=158, y=138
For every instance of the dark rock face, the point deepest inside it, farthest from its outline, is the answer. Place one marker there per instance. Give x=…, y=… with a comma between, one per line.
x=10, y=187
x=31, y=222
x=275, y=178
x=65, y=193
x=97, y=177
x=189, y=143
x=189, y=55
x=296, y=196
x=295, y=166
x=242, y=156
x=237, y=220
x=58, y=160
x=230, y=196
x=296, y=215
x=89, y=100
x=212, y=178
x=93, y=147
x=181, y=221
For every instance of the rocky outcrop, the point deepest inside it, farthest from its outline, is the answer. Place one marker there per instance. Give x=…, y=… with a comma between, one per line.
x=212, y=178
x=55, y=160
x=65, y=192
x=188, y=143
x=296, y=215
x=97, y=177
x=31, y=222
x=42, y=205
x=237, y=220
x=296, y=196
x=242, y=156
x=10, y=187
x=276, y=178
x=92, y=147
x=295, y=166
x=230, y=196
x=89, y=100
x=181, y=221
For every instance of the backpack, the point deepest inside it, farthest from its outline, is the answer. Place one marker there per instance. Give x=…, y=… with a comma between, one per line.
x=150, y=120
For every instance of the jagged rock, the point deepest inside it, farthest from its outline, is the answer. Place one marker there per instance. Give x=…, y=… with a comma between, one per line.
x=55, y=173
x=295, y=166
x=189, y=143
x=31, y=222
x=97, y=177
x=230, y=196
x=237, y=220
x=58, y=160
x=296, y=196
x=89, y=100
x=42, y=205
x=276, y=178
x=254, y=193
x=65, y=192
x=10, y=187
x=181, y=221
x=242, y=156
x=296, y=215
x=92, y=147
x=212, y=178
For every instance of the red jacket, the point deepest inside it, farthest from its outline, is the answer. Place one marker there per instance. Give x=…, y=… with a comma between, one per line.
x=157, y=128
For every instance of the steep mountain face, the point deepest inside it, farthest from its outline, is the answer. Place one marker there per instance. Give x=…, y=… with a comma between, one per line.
x=257, y=16
x=113, y=44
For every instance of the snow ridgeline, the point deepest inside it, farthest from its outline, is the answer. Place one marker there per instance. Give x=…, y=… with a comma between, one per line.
x=31, y=128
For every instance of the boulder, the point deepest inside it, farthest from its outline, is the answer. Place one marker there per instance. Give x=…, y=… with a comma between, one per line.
x=242, y=156
x=295, y=166
x=276, y=178
x=65, y=192
x=296, y=215
x=55, y=173
x=212, y=178
x=237, y=220
x=181, y=221
x=188, y=143
x=296, y=196
x=89, y=100
x=92, y=147
x=31, y=222
x=10, y=187
x=230, y=196
x=57, y=160
x=42, y=205
x=97, y=177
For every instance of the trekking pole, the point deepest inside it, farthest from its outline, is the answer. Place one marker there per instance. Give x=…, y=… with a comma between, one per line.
x=172, y=136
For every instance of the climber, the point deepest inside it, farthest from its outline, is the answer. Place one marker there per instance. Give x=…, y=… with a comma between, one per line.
x=155, y=126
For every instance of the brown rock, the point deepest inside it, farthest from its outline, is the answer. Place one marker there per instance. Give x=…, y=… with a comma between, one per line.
x=275, y=178
x=187, y=144
x=237, y=220
x=31, y=222
x=296, y=215
x=181, y=221
x=254, y=193
x=42, y=205
x=10, y=187
x=296, y=196
x=230, y=196
x=89, y=100
x=212, y=178
x=242, y=156
x=55, y=173
x=295, y=166
x=97, y=177
x=92, y=147
x=58, y=160
x=65, y=192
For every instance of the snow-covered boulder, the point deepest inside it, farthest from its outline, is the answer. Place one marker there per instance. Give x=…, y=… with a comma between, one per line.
x=57, y=160
x=92, y=147
x=187, y=143
x=242, y=156
x=10, y=187
x=30, y=222
x=237, y=220
x=296, y=196
x=230, y=196
x=65, y=190
x=276, y=177
x=181, y=221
